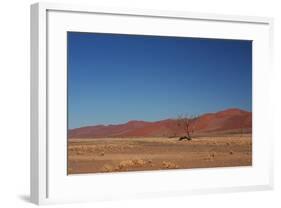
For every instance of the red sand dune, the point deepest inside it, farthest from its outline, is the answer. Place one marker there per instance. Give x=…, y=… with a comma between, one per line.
x=230, y=120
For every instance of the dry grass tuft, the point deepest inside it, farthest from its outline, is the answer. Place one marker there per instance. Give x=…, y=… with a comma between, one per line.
x=169, y=165
x=125, y=164
x=107, y=168
x=212, y=155
x=139, y=163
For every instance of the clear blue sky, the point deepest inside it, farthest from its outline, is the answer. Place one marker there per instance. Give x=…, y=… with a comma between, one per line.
x=116, y=78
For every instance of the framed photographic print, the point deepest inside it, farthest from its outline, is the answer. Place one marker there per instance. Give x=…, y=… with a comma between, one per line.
x=134, y=103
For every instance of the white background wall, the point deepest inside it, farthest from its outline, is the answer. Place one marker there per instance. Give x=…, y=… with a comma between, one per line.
x=14, y=103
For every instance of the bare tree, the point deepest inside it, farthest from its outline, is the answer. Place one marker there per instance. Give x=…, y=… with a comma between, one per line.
x=187, y=123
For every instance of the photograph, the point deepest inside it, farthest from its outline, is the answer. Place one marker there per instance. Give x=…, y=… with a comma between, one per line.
x=150, y=103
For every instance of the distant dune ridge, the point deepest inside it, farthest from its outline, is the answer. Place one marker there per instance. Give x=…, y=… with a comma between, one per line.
x=227, y=121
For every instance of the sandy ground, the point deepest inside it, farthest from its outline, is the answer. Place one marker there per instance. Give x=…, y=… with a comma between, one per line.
x=132, y=154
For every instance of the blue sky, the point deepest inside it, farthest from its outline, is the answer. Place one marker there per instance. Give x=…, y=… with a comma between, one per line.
x=116, y=78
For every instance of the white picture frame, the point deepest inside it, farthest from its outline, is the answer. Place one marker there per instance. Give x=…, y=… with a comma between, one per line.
x=49, y=181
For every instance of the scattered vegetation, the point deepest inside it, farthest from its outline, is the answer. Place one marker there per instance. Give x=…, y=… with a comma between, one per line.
x=135, y=154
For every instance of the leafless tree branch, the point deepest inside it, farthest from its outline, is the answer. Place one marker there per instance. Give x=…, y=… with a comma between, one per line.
x=188, y=123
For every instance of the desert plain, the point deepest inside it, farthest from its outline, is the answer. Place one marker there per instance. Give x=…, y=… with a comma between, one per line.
x=98, y=155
